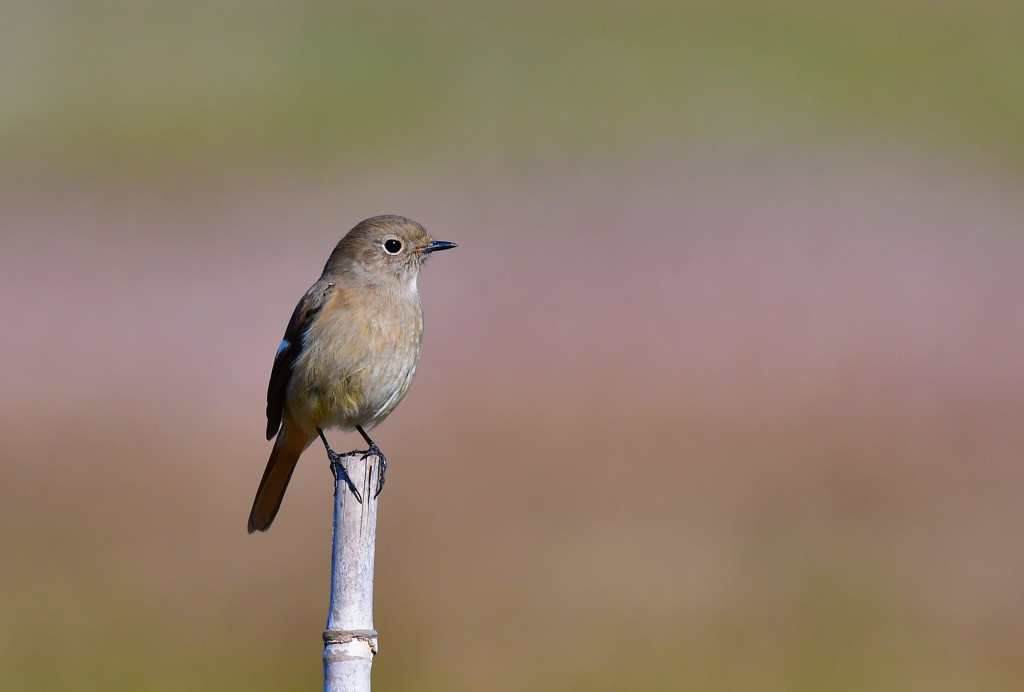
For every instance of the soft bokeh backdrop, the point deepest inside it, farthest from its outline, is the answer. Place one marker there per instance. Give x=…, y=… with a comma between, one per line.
x=722, y=389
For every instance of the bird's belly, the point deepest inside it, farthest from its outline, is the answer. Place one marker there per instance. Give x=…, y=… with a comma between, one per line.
x=344, y=384
x=362, y=399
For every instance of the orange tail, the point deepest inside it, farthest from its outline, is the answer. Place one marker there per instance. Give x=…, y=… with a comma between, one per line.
x=290, y=443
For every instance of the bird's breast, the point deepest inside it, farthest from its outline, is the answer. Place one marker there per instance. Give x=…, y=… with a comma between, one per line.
x=358, y=362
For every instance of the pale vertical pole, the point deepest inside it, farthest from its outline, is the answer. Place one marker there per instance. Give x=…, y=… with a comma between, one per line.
x=350, y=641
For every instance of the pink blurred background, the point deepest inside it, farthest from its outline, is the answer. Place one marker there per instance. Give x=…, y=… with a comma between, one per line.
x=717, y=412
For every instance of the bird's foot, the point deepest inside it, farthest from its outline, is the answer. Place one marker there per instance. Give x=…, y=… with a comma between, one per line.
x=374, y=451
x=338, y=471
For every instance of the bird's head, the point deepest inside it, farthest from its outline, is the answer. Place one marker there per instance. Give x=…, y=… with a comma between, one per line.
x=385, y=249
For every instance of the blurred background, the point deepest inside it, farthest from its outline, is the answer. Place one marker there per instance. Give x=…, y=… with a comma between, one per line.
x=722, y=389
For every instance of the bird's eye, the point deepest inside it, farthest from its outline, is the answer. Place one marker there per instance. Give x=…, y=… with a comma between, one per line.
x=392, y=246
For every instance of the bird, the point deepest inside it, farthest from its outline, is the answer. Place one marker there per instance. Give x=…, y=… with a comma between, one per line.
x=349, y=352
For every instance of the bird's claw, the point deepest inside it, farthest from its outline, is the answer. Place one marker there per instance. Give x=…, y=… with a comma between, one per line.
x=338, y=470
x=374, y=451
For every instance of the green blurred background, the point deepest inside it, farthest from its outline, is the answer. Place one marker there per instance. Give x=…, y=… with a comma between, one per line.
x=722, y=389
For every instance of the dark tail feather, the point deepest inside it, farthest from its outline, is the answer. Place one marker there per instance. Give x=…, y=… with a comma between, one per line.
x=280, y=467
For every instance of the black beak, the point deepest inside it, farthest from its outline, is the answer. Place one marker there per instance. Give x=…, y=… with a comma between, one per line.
x=439, y=245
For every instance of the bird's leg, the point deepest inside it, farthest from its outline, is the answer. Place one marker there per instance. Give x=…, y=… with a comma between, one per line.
x=373, y=450
x=338, y=468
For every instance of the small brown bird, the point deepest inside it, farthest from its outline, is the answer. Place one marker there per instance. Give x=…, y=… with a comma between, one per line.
x=349, y=352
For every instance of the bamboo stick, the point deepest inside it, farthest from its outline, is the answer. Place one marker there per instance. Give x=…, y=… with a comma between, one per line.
x=350, y=642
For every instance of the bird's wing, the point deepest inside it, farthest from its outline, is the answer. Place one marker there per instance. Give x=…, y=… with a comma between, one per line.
x=287, y=353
